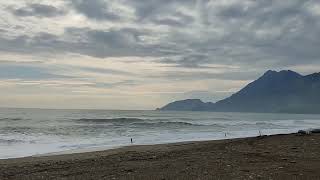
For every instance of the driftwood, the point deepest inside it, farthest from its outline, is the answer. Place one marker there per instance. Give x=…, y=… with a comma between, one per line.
x=309, y=131
x=315, y=131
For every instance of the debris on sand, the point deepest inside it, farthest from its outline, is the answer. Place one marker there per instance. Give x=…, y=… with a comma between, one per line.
x=309, y=131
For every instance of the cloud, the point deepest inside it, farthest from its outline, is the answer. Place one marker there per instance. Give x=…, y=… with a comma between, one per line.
x=176, y=20
x=111, y=42
x=238, y=32
x=161, y=42
x=192, y=60
x=147, y=8
x=96, y=9
x=163, y=13
x=268, y=35
x=38, y=10
x=10, y=71
x=222, y=73
x=106, y=71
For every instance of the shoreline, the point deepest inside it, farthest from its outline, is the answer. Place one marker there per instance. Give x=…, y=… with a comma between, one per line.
x=102, y=148
x=106, y=148
x=283, y=156
x=111, y=147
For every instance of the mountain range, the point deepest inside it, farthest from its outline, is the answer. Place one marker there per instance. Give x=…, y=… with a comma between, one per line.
x=274, y=92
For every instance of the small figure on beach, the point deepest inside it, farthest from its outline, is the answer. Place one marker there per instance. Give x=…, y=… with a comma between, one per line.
x=131, y=141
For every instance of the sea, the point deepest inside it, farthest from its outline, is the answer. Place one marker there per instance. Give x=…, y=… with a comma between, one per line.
x=33, y=132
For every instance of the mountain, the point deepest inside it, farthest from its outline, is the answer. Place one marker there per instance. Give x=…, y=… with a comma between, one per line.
x=187, y=105
x=274, y=92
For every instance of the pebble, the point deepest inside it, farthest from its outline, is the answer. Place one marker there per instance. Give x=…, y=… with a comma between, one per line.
x=245, y=170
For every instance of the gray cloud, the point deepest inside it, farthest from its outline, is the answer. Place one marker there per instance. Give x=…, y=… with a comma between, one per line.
x=164, y=12
x=227, y=75
x=95, y=9
x=187, y=41
x=178, y=19
x=116, y=84
x=97, y=43
x=38, y=10
x=192, y=60
x=108, y=43
x=265, y=33
x=106, y=71
x=147, y=8
x=26, y=72
x=255, y=34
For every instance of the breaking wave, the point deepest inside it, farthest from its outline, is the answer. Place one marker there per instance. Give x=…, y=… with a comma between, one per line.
x=11, y=119
x=174, y=124
x=166, y=124
x=148, y=122
x=112, y=120
x=10, y=141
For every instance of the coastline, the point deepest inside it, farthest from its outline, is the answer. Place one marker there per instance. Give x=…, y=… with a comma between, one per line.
x=289, y=156
x=107, y=148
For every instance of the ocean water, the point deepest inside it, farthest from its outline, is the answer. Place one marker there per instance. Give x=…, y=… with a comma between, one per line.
x=27, y=132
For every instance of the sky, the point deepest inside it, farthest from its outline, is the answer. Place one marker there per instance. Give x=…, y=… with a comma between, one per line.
x=142, y=54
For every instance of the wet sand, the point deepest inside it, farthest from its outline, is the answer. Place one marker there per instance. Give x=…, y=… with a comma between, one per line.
x=270, y=157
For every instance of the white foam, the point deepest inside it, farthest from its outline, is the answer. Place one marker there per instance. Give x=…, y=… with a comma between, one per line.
x=62, y=134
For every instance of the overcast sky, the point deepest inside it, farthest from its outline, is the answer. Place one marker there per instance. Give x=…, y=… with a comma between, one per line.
x=142, y=54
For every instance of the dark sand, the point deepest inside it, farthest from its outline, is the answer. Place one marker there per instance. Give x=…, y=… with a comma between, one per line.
x=274, y=157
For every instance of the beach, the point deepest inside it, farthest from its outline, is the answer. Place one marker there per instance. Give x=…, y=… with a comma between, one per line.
x=290, y=156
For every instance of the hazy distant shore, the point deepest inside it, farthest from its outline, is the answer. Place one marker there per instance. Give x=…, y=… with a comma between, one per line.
x=278, y=157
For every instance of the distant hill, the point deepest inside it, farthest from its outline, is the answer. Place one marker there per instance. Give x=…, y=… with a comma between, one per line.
x=187, y=105
x=274, y=92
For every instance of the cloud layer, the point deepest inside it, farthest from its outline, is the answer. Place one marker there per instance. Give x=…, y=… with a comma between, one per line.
x=164, y=50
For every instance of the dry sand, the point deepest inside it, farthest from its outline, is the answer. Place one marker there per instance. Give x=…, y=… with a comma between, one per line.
x=274, y=157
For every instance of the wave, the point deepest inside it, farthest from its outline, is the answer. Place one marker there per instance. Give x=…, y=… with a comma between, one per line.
x=256, y=125
x=165, y=123
x=11, y=119
x=221, y=118
x=112, y=120
x=306, y=121
x=10, y=141
x=170, y=123
x=146, y=122
x=174, y=124
x=265, y=124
